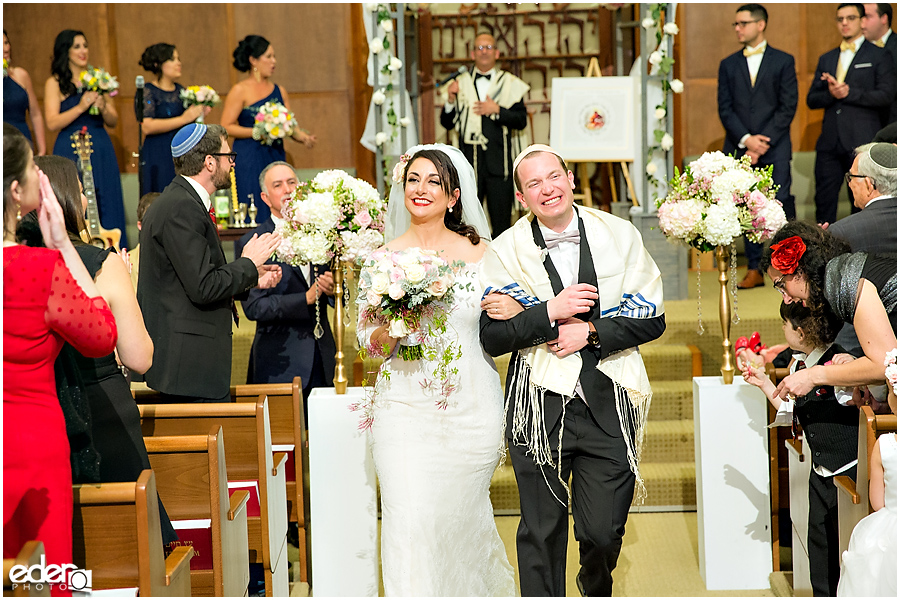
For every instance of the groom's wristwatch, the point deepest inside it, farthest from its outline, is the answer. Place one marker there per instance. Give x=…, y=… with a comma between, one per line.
x=593, y=338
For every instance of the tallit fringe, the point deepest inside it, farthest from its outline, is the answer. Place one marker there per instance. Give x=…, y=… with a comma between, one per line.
x=532, y=432
x=633, y=408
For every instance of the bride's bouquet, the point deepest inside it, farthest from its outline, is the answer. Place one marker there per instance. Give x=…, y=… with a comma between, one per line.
x=273, y=122
x=97, y=80
x=718, y=198
x=202, y=95
x=332, y=216
x=411, y=292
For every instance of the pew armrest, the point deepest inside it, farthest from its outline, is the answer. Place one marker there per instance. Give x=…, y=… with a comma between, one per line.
x=239, y=500
x=848, y=486
x=178, y=569
x=279, y=460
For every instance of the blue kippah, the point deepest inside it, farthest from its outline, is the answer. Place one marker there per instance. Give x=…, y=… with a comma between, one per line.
x=186, y=138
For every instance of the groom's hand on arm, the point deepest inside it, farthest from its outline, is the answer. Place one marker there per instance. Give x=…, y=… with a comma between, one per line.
x=573, y=300
x=573, y=335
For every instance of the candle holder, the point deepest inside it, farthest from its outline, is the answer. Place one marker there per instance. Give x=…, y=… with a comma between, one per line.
x=242, y=214
x=252, y=211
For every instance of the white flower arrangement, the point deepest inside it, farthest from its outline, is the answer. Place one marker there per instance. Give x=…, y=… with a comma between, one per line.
x=717, y=199
x=655, y=20
x=334, y=216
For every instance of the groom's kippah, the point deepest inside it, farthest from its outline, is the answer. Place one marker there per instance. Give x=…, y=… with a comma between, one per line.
x=884, y=155
x=535, y=148
x=186, y=138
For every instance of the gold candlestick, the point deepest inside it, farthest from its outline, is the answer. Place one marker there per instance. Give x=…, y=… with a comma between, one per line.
x=725, y=316
x=340, y=376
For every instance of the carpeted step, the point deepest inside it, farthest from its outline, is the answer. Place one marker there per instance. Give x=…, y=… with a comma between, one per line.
x=670, y=484
x=666, y=362
x=669, y=441
x=672, y=400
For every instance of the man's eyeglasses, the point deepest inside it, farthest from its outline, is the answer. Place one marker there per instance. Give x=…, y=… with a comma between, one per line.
x=231, y=155
x=484, y=48
x=744, y=23
x=850, y=176
x=849, y=19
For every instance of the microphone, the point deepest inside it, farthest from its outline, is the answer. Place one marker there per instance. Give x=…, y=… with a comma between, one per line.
x=139, y=98
x=459, y=72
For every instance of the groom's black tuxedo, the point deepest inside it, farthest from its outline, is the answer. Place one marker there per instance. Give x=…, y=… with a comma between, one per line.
x=593, y=448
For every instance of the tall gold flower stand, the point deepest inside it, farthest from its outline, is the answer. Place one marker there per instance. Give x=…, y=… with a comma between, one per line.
x=340, y=371
x=725, y=315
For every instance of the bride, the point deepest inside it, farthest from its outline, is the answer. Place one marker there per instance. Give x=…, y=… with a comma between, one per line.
x=434, y=466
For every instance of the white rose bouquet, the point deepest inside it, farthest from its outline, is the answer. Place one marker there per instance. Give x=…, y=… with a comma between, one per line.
x=273, y=122
x=97, y=80
x=411, y=292
x=202, y=95
x=717, y=199
x=332, y=216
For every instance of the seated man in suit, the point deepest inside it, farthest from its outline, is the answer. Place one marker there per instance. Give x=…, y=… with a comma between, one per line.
x=286, y=315
x=186, y=287
x=873, y=179
x=855, y=84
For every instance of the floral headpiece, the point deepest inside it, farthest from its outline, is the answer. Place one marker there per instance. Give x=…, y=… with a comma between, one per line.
x=399, y=168
x=786, y=254
x=890, y=372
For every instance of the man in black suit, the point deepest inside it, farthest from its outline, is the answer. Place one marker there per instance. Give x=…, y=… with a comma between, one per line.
x=185, y=287
x=855, y=84
x=876, y=26
x=592, y=294
x=285, y=346
x=487, y=109
x=757, y=102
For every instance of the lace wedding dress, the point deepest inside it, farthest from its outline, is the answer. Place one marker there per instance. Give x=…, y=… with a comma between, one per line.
x=870, y=563
x=434, y=466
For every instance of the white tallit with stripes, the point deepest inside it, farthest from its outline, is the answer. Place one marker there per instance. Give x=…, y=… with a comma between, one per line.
x=629, y=285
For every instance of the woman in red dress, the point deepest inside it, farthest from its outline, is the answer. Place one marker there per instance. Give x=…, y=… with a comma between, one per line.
x=48, y=298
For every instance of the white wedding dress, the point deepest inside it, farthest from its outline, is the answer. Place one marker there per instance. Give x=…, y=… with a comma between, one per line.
x=434, y=466
x=869, y=565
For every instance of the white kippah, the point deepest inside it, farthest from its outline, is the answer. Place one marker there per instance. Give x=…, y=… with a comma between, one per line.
x=534, y=148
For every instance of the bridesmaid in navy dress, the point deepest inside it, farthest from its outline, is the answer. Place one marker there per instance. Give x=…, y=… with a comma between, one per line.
x=255, y=55
x=19, y=98
x=66, y=109
x=164, y=115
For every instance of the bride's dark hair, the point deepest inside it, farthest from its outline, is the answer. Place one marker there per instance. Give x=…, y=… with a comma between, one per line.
x=449, y=183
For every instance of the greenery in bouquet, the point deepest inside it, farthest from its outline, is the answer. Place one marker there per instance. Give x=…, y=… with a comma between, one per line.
x=273, y=122
x=718, y=198
x=334, y=215
x=97, y=80
x=411, y=292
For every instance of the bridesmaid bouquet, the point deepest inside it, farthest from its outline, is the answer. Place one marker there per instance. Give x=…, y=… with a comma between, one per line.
x=202, y=95
x=717, y=199
x=333, y=216
x=98, y=80
x=273, y=122
x=5, y=67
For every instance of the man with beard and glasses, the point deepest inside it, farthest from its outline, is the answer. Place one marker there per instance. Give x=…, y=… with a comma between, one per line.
x=185, y=286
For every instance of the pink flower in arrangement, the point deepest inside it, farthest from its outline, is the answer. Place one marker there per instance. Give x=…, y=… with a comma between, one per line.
x=114, y=93
x=396, y=274
x=363, y=219
x=259, y=117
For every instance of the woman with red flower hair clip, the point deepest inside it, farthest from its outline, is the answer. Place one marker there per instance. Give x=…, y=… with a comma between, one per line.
x=809, y=265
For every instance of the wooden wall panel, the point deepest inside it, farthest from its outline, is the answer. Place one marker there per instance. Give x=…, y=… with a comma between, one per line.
x=317, y=65
x=804, y=30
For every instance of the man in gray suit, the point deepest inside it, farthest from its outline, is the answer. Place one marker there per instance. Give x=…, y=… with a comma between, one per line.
x=873, y=178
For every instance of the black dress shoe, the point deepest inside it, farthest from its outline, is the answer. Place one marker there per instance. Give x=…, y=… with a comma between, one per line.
x=752, y=279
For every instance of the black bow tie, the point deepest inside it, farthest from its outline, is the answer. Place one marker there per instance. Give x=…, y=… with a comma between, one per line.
x=480, y=75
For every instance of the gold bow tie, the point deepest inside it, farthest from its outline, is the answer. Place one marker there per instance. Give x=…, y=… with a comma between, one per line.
x=879, y=43
x=749, y=52
x=848, y=46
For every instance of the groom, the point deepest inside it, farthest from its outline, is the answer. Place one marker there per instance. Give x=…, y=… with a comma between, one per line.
x=577, y=390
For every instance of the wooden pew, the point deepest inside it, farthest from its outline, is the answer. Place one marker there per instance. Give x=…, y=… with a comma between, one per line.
x=248, y=454
x=853, y=497
x=30, y=554
x=116, y=534
x=192, y=482
x=288, y=428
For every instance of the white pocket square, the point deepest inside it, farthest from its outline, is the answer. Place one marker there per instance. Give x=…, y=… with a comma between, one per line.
x=862, y=65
